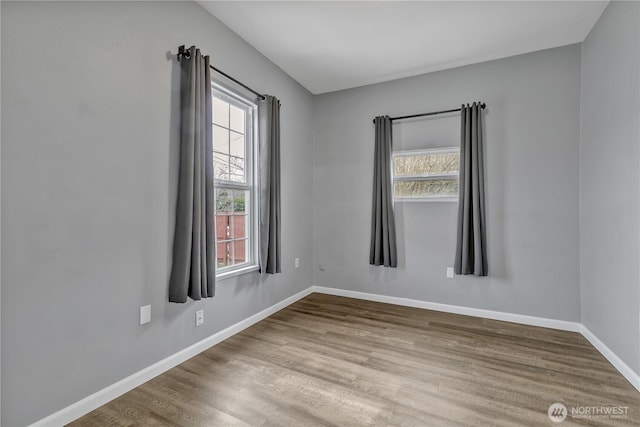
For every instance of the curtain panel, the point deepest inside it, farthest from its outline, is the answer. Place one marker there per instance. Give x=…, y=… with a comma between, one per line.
x=193, y=270
x=383, y=249
x=471, y=253
x=269, y=136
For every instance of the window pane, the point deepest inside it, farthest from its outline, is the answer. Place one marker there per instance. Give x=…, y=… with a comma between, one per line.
x=426, y=164
x=220, y=153
x=223, y=227
x=237, y=119
x=237, y=145
x=220, y=140
x=236, y=227
x=236, y=169
x=220, y=112
x=240, y=251
x=223, y=254
x=426, y=188
x=224, y=202
x=239, y=200
x=221, y=166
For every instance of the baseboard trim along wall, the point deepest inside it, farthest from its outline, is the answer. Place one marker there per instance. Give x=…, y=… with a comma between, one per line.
x=564, y=325
x=617, y=363
x=456, y=309
x=101, y=397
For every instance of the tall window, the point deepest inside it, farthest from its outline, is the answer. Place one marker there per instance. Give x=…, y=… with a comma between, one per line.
x=234, y=161
x=426, y=175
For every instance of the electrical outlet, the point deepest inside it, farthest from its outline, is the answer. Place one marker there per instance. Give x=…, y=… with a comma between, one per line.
x=145, y=314
x=297, y=262
x=199, y=317
x=449, y=272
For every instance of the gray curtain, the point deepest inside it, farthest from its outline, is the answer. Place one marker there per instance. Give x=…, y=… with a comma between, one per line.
x=471, y=253
x=383, y=229
x=269, y=136
x=193, y=272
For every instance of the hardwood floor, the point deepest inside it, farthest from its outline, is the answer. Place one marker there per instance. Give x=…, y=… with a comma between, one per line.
x=328, y=360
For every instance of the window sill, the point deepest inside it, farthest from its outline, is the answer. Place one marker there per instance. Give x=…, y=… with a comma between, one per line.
x=237, y=272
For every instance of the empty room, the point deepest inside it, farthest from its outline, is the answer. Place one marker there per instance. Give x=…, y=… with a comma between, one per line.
x=320, y=213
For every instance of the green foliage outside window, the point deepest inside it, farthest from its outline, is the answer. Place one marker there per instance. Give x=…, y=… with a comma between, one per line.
x=230, y=201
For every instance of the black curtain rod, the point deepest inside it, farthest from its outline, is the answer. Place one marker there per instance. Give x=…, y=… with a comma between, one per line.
x=182, y=52
x=433, y=113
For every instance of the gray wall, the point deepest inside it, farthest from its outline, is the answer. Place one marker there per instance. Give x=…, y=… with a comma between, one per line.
x=89, y=176
x=532, y=130
x=89, y=170
x=610, y=181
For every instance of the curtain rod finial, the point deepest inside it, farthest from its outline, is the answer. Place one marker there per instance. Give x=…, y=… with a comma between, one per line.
x=183, y=53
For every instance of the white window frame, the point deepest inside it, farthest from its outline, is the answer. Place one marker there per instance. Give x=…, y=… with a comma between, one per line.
x=424, y=151
x=251, y=185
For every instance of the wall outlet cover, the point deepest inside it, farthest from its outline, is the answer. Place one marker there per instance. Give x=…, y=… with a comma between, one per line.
x=145, y=314
x=450, y=272
x=199, y=317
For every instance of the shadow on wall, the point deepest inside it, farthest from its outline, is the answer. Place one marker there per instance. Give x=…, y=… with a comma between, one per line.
x=495, y=195
x=174, y=161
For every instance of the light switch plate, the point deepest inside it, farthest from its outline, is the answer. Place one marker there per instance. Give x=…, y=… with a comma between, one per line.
x=449, y=272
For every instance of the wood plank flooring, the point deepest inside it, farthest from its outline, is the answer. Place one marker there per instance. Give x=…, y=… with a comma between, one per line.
x=334, y=361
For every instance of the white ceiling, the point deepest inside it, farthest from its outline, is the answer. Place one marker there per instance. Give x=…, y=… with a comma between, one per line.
x=333, y=45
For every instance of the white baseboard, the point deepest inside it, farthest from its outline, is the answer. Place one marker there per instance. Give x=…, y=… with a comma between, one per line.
x=617, y=363
x=89, y=403
x=563, y=325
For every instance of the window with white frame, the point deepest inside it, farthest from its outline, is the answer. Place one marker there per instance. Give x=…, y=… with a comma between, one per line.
x=426, y=175
x=234, y=166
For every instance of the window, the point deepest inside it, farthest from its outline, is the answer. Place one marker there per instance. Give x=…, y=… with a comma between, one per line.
x=426, y=175
x=234, y=169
